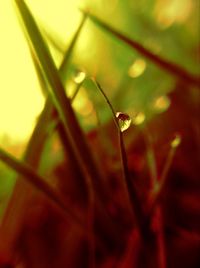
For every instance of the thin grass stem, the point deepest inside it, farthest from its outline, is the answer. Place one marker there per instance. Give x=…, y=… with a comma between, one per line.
x=158, y=212
x=128, y=185
x=159, y=187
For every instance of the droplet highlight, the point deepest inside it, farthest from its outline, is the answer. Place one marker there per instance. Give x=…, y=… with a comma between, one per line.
x=124, y=121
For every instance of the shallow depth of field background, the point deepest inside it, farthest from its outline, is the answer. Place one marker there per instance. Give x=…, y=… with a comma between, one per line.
x=134, y=85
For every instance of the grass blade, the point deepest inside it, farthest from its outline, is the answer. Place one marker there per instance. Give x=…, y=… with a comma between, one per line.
x=12, y=220
x=158, y=212
x=39, y=183
x=57, y=92
x=54, y=40
x=166, y=65
x=75, y=136
x=156, y=193
x=128, y=185
x=65, y=63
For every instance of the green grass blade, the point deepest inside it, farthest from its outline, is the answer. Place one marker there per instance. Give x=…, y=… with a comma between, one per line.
x=14, y=214
x=54, y=40
x=40, y=75
x=76, y=138
x=157, y=192
x=57, y=92
x=166, y=65
x=150, y=157
x=130, y=190
x=38, y=182
x=12, y=220
x=65, y=63
x=68, y=53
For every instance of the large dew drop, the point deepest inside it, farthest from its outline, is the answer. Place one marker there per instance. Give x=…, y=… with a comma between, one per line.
x=124, y=121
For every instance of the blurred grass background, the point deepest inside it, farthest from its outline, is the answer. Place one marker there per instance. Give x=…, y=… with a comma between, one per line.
x=168, y=28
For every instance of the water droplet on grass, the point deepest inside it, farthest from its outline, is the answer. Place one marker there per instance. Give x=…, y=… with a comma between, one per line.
x=124, y=121
x=79, y=76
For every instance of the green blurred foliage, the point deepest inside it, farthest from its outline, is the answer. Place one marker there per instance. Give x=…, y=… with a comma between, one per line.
x=109, y=59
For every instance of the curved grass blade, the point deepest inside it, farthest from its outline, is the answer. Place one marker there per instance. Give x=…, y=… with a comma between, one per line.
x=130, y=189
x=73, y=131
x=158, y=212
x=12, y=220
x=65, y=63
x=75, y=136
x=67, y=53
x=166, y=65
x=39, y=183
x=160, y=186
x=54, y=40
x=23, y=192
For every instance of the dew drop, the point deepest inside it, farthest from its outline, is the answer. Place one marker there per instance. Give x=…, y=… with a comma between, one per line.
x=79, y=76
x=176, y=141
x=124, y=121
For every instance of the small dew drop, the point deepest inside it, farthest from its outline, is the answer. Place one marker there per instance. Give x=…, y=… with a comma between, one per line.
x=139, y=118
x=137, y=68
x=124, y=121
x=79, y=76
x=176, y=141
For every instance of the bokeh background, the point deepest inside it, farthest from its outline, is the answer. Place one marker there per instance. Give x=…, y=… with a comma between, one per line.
x=169, y=28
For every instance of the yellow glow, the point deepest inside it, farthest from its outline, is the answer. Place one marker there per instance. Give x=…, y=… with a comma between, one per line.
x=137, y=68
x=161, y=104
x=169, y=11
x=176, y=141
x=20, y=98
x=82, y=104
x=62, y=16
x=70, y=88
x=87, y=109
x=139, y=118
x=79, y=77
